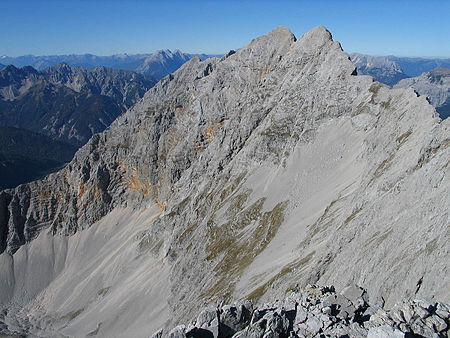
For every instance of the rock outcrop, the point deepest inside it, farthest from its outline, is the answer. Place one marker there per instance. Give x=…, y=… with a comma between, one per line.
x=319, y=312
x=235, y=178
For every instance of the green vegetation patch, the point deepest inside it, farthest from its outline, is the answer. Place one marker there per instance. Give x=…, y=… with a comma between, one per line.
x=72, y=315
x=382, y=168
x=237, y=242
x=256, y=294
x=402, y=138
x=322, y=224
x=431, y=246
x=94, y=333
x=353, y=215
x=103, y=291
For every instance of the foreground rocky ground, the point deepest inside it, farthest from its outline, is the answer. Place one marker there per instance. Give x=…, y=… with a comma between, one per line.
x=318, y=311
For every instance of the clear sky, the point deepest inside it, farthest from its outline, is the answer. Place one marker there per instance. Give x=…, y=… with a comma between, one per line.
x=105, y=27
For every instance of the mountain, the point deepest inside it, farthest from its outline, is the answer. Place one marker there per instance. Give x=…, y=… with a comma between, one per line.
x=435, y=85
x=125, y=87
x=416, y=66
x=241, y=177
x=60, y=113
x=161, y=63
x=397, y=72
x=391, y=69
x=382, y=68
x=66, y=104
x=26, y=156
x=2, y=66
x=157, y=65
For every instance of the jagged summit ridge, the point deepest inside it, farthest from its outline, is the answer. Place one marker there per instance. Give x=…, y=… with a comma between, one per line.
x=232, y=179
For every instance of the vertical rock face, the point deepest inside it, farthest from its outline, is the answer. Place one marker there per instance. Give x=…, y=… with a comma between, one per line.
x=271, y=167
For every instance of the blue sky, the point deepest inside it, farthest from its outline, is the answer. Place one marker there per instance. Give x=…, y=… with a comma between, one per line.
x=105, y=27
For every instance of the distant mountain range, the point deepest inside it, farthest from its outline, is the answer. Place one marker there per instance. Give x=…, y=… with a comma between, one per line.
x=416, y=66
x=68, y=104
x=61, y=104
x=430, y=77
x=157, y=65
x=381, y=68
x=391, y=69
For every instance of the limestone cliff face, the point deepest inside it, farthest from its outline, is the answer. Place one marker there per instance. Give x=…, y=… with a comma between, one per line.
x=272, y=166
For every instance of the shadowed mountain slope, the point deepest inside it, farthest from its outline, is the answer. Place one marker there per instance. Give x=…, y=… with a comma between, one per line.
x=26, y=156
x=64, y=104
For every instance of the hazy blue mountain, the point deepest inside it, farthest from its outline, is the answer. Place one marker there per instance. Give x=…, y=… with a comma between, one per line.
x=158, y=64
x=416, y=66
x=121, y=85
x=381, y=68
x=162, y=62
x=66, y=103
x=2, y=66
x=391, y=69
x=125, y=87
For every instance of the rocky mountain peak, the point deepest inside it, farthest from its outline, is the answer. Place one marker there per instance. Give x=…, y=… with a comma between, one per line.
x=278, y=41
x=440, y=73
x=61, y=67
x=10, y=68
x=317, y=36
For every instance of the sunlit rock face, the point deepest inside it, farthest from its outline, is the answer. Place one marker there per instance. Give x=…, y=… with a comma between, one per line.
x=240, y=177
x=435, y=85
